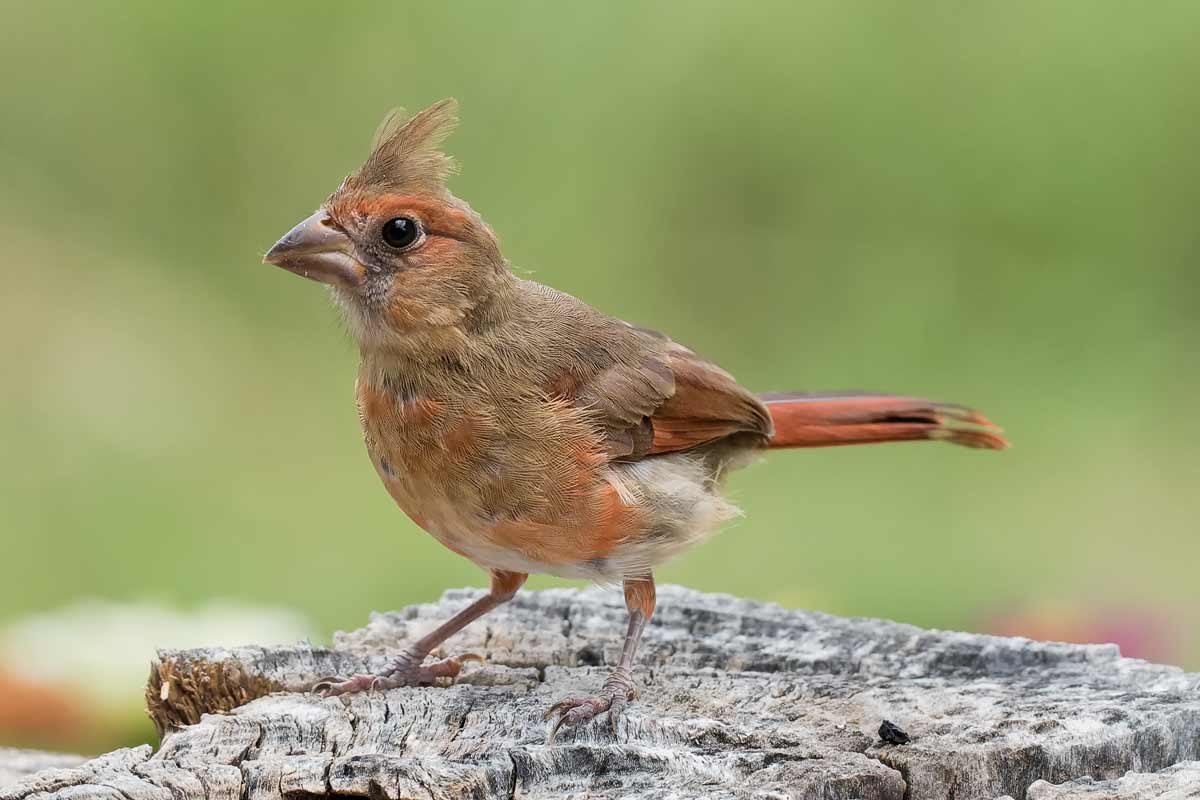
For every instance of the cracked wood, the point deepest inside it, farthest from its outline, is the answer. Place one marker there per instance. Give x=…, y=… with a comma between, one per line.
x=739, y=699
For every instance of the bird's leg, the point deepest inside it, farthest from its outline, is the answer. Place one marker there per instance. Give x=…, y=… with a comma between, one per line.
x=408, y=668
x=619, y=688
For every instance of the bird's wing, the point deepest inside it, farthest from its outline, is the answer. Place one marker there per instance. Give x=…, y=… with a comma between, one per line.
x=668, y=399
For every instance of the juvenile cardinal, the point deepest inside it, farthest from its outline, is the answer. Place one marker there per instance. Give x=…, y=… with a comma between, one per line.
x=524, y=429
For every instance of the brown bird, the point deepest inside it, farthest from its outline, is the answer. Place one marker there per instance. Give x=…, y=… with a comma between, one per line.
x=524, y=429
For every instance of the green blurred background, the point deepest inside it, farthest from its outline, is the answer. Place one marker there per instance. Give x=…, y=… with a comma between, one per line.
x=991, y=203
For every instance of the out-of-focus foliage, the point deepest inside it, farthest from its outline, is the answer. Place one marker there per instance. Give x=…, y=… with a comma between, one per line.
x=992, y=203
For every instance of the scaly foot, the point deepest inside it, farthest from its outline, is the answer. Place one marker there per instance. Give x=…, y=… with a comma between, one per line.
x=614, y=696
x=406, y=670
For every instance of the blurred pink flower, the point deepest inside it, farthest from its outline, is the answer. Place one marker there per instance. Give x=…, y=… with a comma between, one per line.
x=1151, y=634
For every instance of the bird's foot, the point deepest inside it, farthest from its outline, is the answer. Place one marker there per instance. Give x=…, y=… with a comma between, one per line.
x=407, y=669
x=614, y=696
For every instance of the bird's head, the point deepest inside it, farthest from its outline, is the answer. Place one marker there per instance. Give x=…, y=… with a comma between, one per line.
x=404, y=258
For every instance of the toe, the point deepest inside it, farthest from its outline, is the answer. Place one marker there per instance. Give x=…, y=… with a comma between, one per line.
x=571, y=716
x=324, y=684
x=395, y=681
x=581, y=714
x=575, y=711
x=447, y=668
x=332, y=687
x=401, y=673
x=615, y=710
x=450, y=667
x=561, y=706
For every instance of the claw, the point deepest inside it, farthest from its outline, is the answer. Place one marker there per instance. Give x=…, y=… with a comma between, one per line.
x=561, y=705
x=332, y=687
x=575, y=711
x=618, y=691
x=554, y=730
x=323, y=684
x=446, y=668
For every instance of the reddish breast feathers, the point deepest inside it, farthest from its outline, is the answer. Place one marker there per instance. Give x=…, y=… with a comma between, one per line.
x=525, y=491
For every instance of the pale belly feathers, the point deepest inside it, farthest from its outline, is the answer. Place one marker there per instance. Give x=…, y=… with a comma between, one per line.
x=673, y=502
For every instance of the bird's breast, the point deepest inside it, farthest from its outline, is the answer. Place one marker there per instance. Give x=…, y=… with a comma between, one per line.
x=528, y=487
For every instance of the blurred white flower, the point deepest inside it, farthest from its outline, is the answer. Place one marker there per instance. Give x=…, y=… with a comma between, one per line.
x=103, y=649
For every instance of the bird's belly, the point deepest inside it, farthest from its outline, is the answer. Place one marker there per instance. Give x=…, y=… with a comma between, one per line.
x=495, y=544
x=635, y=517
x=573, y=545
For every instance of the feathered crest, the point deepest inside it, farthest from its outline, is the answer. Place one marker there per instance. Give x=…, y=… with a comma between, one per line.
x=405, y=152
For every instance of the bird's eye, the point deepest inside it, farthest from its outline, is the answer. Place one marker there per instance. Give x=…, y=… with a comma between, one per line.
x=400, y=232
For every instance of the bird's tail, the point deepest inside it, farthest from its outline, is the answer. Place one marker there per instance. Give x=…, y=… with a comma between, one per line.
x=826, y=420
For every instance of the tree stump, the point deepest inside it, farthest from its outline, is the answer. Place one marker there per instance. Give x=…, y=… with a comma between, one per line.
x=739, y=699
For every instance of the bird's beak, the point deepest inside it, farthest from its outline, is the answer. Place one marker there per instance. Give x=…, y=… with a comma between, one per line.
x=318, y=251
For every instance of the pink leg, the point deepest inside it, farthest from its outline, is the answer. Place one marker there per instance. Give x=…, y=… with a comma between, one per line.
x=619, y=688
x=409, y=667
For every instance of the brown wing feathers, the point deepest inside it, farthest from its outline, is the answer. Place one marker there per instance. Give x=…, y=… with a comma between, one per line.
x=670, y=400
x=625, y=397
x=708, y=405
x=663, y=398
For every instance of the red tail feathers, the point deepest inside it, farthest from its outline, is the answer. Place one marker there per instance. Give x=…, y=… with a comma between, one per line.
x=826, y=420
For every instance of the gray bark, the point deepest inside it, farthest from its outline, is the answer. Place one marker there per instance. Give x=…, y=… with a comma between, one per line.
x=16, y=764
x=1179, y=782
x=739, y=699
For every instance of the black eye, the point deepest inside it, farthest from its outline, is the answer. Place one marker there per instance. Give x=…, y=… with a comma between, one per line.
x=400, y=232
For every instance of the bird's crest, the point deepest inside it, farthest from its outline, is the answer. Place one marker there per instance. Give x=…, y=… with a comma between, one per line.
x=405, y=153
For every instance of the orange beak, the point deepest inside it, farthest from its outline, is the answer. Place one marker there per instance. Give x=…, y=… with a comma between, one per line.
x=319, y=251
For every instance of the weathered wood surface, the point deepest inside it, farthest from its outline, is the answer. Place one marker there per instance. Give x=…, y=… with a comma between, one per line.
x=740, y=699
x=16, y=764
x=1180, y=782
